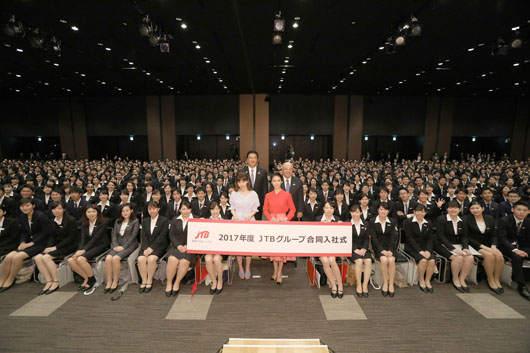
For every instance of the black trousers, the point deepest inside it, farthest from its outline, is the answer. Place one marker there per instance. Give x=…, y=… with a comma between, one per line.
x=517, y=264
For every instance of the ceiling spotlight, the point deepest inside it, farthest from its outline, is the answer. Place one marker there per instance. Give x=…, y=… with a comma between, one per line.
x=197, y=47
x=36, y=40
x=277, y=39
x=279, y=23
x=75, y=28
x=108, y=49
x=295, y=24
x=516, y=41
x=183, y=25
x=14, y=28
x=20, y=50
x=399, y=40
x=146, y=28
x=290, y=46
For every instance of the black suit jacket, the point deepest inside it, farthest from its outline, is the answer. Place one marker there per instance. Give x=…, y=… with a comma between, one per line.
x=99, y=238
x=344, y=213
x=9, y=236
x=361, y=240
x=158, y=240
x=322, y=199
x=40, y=229
x=386, y=240
x=419, y=240
x=473, y=236
x=170, y=209
x=400, y=206
x=505, y=208
x=494, y=210
x=313, y=215
x=261, y=184
x=507, y=233
x=76, y=213
x=65, y=237
x=226, y=214
x=110, y=212
x=203, y=212
x=297, y=192
x=445, y=232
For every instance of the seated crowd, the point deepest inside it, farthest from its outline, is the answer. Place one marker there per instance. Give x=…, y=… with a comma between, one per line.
x=82, y=210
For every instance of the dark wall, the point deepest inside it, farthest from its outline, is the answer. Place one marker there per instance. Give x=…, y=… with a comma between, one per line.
x=28, y=117
x=301, y=114
x=484, y=117
x=207, y=114
x=209, y=146
x=320, y=147
x=402, y=116
x=115, y=116
x=121, y=146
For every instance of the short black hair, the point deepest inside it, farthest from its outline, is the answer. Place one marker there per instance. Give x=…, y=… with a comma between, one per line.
x=253, y=152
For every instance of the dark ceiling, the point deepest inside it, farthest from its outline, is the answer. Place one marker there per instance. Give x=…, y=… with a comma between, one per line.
x=332, y=41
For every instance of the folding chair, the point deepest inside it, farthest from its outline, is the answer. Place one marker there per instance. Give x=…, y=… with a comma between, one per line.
x=314, y=277
x=64, y=272
x=228, y=266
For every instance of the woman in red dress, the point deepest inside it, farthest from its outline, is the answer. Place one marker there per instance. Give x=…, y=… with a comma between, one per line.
x=276, y=205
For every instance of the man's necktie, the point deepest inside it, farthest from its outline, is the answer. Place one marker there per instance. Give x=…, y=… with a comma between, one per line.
x=287, y=185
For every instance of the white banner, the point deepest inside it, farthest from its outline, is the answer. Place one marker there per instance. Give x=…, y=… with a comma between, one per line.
x=262, y=238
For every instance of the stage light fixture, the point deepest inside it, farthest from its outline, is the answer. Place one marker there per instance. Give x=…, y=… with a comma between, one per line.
x=36, y=39
x=400, y=40
x=516, y=41
x=146, y=28
x=279, y=24
x=276, y=39
x=14, y=28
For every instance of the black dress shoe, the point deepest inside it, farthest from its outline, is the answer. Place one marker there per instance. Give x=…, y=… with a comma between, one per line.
x=169, y=293
x=360, y=295
x=176, y=292
x=501, y=289
x=106, y=290
x=334, y=294
x=384, y=293
x=523, y=291
x=141, y=289
x=494, y=290
x=460, y=289
x=340, y=294
x=112, y=290
x=423, y=289
x=430, y=290
x=466, y=289
x=391, y=294
x=42, y=292
x=212, y=291
x=148, y=288
x=218, y=291
x=365, y=294
x=3, y=289
x=50, y=291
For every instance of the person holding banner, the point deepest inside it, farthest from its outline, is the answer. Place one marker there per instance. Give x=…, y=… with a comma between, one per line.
x=179, y=260
x=214, y=262
x=277, y=203
x=328, y=262
x=244, y=203
x=384, y=239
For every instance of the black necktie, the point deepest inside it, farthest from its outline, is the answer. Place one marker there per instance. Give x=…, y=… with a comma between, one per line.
x=519, y=226
x=488, y=207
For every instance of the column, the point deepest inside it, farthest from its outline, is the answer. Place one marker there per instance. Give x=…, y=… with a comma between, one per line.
x=80, y=137
x=154, y=136
x=246, y=124
x=64, y=117
x=520, y=132
x=169, y=133
x=432, y=117
x=262, y=129
x=445, y=129
x=355, y=131
x=340, y=127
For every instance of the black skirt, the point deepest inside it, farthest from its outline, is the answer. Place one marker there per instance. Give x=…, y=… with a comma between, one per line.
x=192, y=258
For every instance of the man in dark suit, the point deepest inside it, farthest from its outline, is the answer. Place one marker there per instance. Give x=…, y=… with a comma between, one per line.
x=293, y=185
x=219, y=188
x=258, y=179
x=383, y=197
x=491, y=207
x=404, y=207
x=173, y=207
x=200, y=207
x=76, y=205
x=325, y=194
x=514, y=242
x=463, y=202
x=506, y=206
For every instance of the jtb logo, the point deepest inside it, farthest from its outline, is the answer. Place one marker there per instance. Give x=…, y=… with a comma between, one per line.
x=203, y=235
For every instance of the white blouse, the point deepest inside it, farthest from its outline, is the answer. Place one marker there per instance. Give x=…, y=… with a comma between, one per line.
x=122, y=228
x=481, y=226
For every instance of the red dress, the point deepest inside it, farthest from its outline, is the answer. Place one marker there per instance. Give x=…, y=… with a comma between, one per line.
x=279, y=205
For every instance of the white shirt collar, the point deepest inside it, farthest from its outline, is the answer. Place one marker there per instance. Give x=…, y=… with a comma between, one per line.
x=180, y=217
x=414, y=219
x=217, y=217
x=154, y=220
x=377, y=220
x=360, y=222
x=324, y=218
x=450, y=220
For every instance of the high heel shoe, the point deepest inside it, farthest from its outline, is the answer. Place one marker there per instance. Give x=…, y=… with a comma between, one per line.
x=142, y=288
x=218, y=291
x=334, y=293
x=494, y=290
x=501, y=289
x=391, y=294
x=112, y=290
x=360, y=295
x=460, y=289
x=169, y=293
x=365, y=294
x=148, y=288
x=340, y=294
x=50, y=291
x=212, y=290
x=466, y=289
x=176, y=292
x=106, y=290
x=423, y=289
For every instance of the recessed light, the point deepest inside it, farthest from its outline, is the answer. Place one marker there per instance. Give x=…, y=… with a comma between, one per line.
x=131, y=63
x=68, y=90
x=148, y=73
x=418, y=74
x=100, y=44
x=183, y=25
x=352, y=72
x=207, y=61
x=220, y=80
x=124, y=23
x=7, y=45
x=63, y=21
x=483, y=75
x=516, y=28
x=286, y=61
x=83, y=75
x=103, y=82
x=197, y=46
x=440, y=64
x=400, y=82
x=17, y=90
x=170, y=87
x=295, y=24
x=290, y=46
x=20, y=50
x=124, y=59
x=178, y=19
x=341, y=81
x=46, y=84
x=481, y=44
x=368, y=59
x=490, y=90
x=55, y=64
x=516, y=64
x=108, y=49
x=516, y=83
x=161, y=81
x=381, y=48
x=353, y=22
x=458, y=83
x=281, y=79
x=471, y=49
x=17, y=75
x=75, y=28
x=364, y=62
